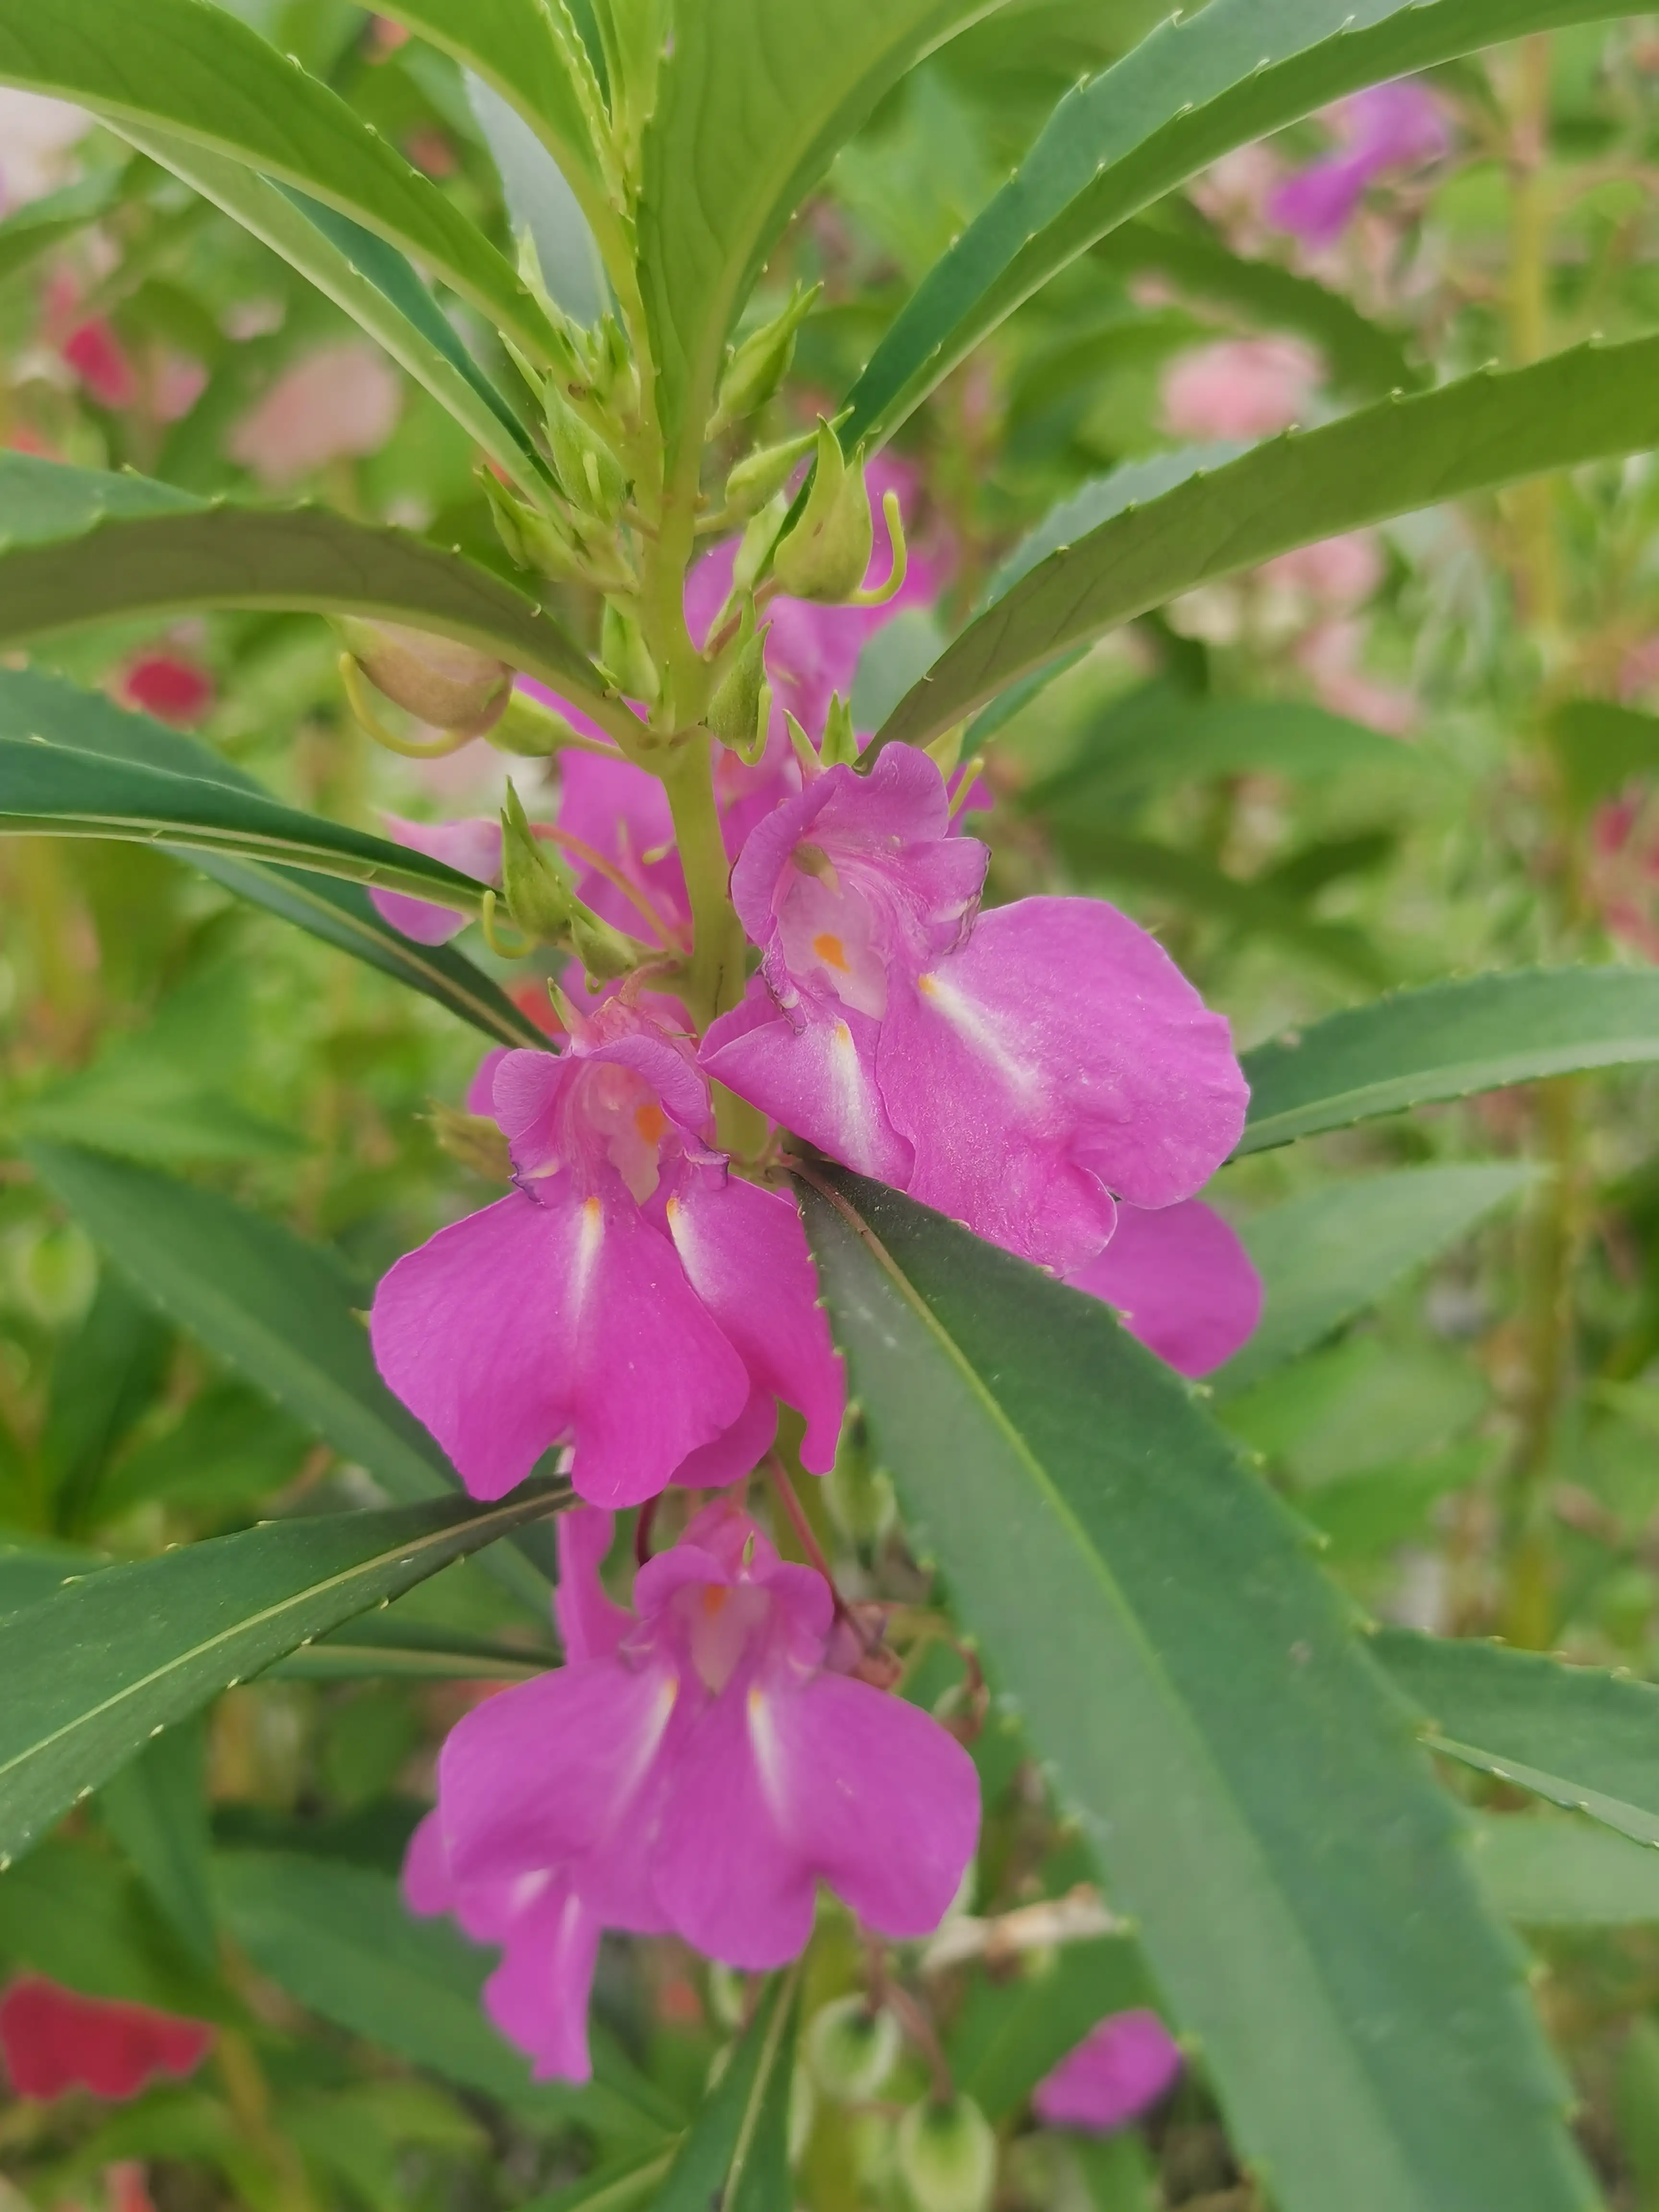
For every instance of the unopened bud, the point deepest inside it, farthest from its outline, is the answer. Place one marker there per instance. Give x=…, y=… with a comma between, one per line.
x=605, y=952
x=754, y=546
x=851, y=2050
x=948, y=2156
x=618, y=379
x=452, y=686
x=825, y=556
x=735, y=711
x=588, y=471
x=840, y=748
x=538, y=897
x=533, y=540
x=760, y=364
x=625, y=654
x=532, y=731
x=762, y=475
x=474, y=1140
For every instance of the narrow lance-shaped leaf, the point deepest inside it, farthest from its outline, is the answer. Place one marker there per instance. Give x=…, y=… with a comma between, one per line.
x=35, y=705
x=730, y=2145
x=1211, y=1719
x=1408, y=452
x=194, y=69
x=155, y=1807
x=79, y=546
x=1448, y=1042
x=93, y=1672
x=1187, y=94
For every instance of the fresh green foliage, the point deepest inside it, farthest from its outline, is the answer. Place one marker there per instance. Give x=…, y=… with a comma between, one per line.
x=735, y=2154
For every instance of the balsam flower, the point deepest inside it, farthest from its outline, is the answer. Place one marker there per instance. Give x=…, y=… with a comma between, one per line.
x=697, y=1767
x=1385, y=128
x=1017, y=1071
x=1181, y=1282
x=55, y=2040
x=1122, y=2065
x=629, y=1298
x=472, y=845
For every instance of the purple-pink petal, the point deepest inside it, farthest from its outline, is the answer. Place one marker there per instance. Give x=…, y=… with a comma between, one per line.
x=820, y=1083
x=538, y=1997
x=1182, y=1282
x=591, y=1624
x=473, y=847
x=1122, y=2066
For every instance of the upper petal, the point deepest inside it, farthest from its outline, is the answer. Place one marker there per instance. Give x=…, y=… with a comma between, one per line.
x=820, y=1082
x=1182, y=1281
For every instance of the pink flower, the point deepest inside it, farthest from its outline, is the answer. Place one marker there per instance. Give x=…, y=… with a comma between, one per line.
x=101, y=361
x=55, y=2040
x=630, y=1297
x=1120, y=2068
x=474, y=847
x=697, y=1766
x=1240, y=388
x=1623, y=876
x=338, y=402
x=1329, y=653
x=1014, y=1071
x=37, y=135
x=1387, y=127
x=1181, y=1280
x=168, y=686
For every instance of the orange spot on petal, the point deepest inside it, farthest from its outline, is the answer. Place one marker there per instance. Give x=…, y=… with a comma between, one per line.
x=831, y=951
x=715, y=1595
x=651, y=1123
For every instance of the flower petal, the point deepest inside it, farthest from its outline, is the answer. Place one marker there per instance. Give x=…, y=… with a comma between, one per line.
x=1182, y=1281
x=474, y=847
x=1121, y=2066
x=591, y=1625
x=55, y=2040
x=820, y=1083
x=538, y=1997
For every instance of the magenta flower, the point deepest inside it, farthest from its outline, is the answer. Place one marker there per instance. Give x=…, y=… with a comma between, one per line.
x=1386, y=127
x=1016, y=1071
x=473, y=847
x=1181, y=1282
x=1121, y=2066
x=630, y=1297
x=699, y=1766
x=55, y=2040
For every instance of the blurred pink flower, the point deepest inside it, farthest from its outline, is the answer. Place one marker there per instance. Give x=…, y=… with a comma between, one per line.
x=102, y=364
x=1240, y=388
x=1336, y=575
x=1329, y=653
x=1387, y=127
x=1623, y=875
x=168, y=685
x=1120, y=2068
x=341, y=402
x=37, y=136
x=55, y=2040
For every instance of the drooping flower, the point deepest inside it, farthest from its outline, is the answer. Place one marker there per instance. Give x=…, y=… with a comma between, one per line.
x=1386, y=128
x=630, y=1297
x=697, y=1766
x=1122, y=2065
x=1018, y=1071
x=1240, y=388
x=55, y=2040
x=1181, y=1282
x=337, y=403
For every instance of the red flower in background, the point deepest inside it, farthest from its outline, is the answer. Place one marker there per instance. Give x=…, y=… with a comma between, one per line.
x=55, y=2040
x=99, y=360
x=168, y=686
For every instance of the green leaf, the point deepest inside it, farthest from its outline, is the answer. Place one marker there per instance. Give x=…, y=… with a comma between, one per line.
x=735, y=2154
x=1487, y=429
x=1331, y=1252
x=74, y=1913
x=619, y=2185
x=40, y=225
x=156, y=1807
x=1545, y=1872
x=750, y=106
x=367, y=278
x=1364, y=358
x=340, y=1940
x=1185, y=95
x=1602, y=746
x=93, y=1672
x=192, y=69
x=1211, y=1719
x=1447, y=1042
x=376, y=1648
x=103, y=1377
x=80, y=546
x=1585, y=1739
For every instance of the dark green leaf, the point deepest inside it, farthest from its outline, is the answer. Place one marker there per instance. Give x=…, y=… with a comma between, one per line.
x=1184, y=96
x=619, y=2185
x=93, y=1672
x=1326, y=1256
x=191, y=68
x=1585, y=1739
x=1447, y=1042
x=386, y=1646
x=736, y=2148
x=340, y=1939
x=156, y=1807
x=1406, y=453
x=1293, y=1874
x=103, y=1377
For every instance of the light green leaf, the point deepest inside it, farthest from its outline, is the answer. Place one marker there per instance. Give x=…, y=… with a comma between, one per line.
x=93, y=1672
x=1602, y=746
x=1447, y=1042
x=1485, y=430
x=78, y=546
x=1545, y=1871
x=1331, y=1252
x=155, y=1807
x=192, y=70
x=1582, y=1738
x=752, y=102
x=736, y=2149
x=1184, y=96
x=1210, y=1717
x=340, y=1940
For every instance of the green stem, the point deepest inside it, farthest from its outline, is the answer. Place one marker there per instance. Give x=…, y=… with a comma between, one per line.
x=716, y=977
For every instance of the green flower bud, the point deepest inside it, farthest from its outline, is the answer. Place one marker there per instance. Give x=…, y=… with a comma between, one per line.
x=533, y=540
x=762, y=475
x=605, y=953
x=539, y=895
x=754, y=546
x=617, y=381
x=474, y=1140
x=532, y=731
x=626, y=657
x=760, y=364
x=735, y=712
x=825, y=556
x=589, y=473
x=452, y=686
x=948, y=2156
x=841, y=745
x=56, y=1272
x=851, y=2050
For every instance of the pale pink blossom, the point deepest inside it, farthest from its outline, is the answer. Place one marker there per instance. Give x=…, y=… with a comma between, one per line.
x=1240, y=388
x=337, y=403
x=37, y=137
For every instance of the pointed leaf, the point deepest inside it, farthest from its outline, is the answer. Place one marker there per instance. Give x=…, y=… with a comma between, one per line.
x=730, y=2155
x=1545, y=1872
x=195, y=70
x=155, y=1807
x=1187, y=94
x=1447, y=1042
x=91, y=1673
x=1210, y=1716
x=1483, y=431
